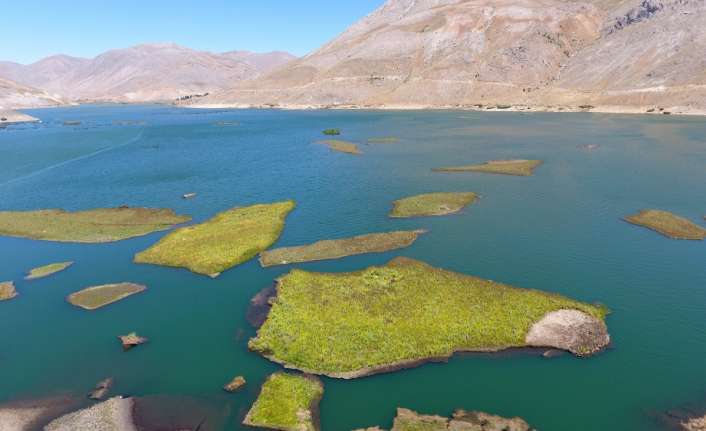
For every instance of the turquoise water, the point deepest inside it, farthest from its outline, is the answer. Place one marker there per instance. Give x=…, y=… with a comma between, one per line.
x=559, y=231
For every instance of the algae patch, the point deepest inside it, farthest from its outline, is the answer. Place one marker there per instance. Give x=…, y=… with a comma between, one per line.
x=338, y=248
x=523, y=168
x=92, y=226
x=348, y=325
x=287, y=402
x=47, y=270
x=96, y=297
x=432, y=204
x=229, y=239
x=342, y=146
x=668, y=224
x=7, y=291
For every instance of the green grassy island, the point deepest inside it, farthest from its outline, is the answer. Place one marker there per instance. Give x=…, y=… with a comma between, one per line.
x=229, y=239
x=96, y=297
x=384, y=140
x=338, y=248
x=348, y=325
x=668, y=224
x=342, y=146
x=47, y=270
x=524, y=168
x=287, y=402
x=7, y=291
x=92, y=226
x=408, y=420
x=432, y=204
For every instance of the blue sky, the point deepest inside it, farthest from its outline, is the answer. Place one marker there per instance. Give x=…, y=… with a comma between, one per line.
x=35, y=29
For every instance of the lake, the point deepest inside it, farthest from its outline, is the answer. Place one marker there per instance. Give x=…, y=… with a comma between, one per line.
x=560, y=230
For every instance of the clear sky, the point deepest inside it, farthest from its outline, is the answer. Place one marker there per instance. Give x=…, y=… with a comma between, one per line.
x=84, y=28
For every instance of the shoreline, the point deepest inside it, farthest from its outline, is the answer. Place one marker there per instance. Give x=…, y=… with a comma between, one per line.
x=652, y=110
x=11, y=116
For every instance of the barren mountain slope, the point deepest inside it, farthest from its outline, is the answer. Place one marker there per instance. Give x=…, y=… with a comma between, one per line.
x=156, y=72
x=494, y=52
x=17, y=96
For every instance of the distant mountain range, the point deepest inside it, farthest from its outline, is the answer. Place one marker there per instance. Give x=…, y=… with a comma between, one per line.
x=602, y=55
x=154, y=72
x=610, y=55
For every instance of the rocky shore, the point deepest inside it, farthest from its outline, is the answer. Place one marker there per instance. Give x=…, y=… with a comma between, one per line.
x=12, y=117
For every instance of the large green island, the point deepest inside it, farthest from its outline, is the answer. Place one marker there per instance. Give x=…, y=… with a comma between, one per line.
x=229, y=239
x=348, y=325
x=92, y=226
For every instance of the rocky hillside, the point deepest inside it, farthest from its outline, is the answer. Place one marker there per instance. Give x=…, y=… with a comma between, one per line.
x=17, y=96
x=158, y=72
x=610, y=54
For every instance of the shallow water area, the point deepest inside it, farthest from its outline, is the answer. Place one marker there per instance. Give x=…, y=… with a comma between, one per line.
x=560, y=230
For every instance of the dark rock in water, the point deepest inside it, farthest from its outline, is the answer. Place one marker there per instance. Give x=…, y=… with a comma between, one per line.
x=235, y=385
x=176, y=413
x=131, y=340
x=72, y=123
x=684, y=419
x=260, y=306
x=101, y=389
x=553, y=353
x=589, y=147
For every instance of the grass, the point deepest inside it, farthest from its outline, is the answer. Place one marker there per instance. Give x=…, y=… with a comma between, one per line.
x=92, y=226
x=7, y=291
x=96, y=297
x=332, y=132
x=342, y=146
x=353, y=324
x=432, y=204
x=384, y=140
x=668, y=224
x=504, y=167
x=408, y=420
x=47, y=270
x=286, y=402
x=229, y=239
x=338, y=248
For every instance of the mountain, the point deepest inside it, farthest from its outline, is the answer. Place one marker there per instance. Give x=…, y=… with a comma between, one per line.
x=623, y=55
x=152, y=72
x=16, y=96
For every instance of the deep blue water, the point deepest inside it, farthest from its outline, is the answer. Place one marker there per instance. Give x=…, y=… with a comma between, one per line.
x=559, y=231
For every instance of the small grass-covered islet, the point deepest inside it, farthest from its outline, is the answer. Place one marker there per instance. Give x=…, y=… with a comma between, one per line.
x=93, y=298
x=92, y=226
x=519, y=167
x=668, y=224
x=7, y=290
x=287, y=402
x=338, y=248
x=47, y=270
x=229, y=239
x=432, y=204
x=349, y=325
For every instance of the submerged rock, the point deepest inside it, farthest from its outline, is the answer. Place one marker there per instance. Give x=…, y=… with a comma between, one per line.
x=101, y=389
x=235, y=385
x=342, y=146
x=131, y=340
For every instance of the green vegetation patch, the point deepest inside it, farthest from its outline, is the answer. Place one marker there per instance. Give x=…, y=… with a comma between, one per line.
x=47, y=270
x=96, y=297
x=408, y=420
x=668, y=224
x=342, y=146
x=287, y=402
x=92, y=226
x=523, y=168
x=229, y=239
x=332, y=132
x=349, y=325
x=384, y=140
x=432, y=204
x=7, y=291
x=338, y=248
